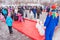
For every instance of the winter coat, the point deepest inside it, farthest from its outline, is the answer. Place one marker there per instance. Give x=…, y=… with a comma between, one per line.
x=4, y=11
x=9, y=21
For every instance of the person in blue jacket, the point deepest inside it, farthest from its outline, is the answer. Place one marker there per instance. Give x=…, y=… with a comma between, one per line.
x=51, y=22
x=34, y=10
x=9, y=23
x=4, y=12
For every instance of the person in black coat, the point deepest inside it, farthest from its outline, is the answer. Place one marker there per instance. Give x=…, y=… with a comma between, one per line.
x=48, y=9
x=21, y=11
x=39, y=11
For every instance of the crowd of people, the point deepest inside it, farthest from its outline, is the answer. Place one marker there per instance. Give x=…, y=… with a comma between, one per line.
x=25, y=11
x=9, y=14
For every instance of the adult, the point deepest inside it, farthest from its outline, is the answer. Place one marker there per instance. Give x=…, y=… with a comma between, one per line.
x=51, y=22
x=34, y=10
x=4, y=12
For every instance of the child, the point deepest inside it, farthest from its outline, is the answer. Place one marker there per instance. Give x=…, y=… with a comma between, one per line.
x=9, y=23
x=20, y=14
x=20, y=17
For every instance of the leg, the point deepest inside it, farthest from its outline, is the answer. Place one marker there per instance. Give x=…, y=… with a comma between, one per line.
x=10, y=30
x=51, y=33
x=23, y=18
x=24, y=14
x=35, y=15
x=19, y=19
x=47, y=33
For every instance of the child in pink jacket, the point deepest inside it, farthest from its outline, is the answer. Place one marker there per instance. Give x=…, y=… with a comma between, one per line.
x=20, y=17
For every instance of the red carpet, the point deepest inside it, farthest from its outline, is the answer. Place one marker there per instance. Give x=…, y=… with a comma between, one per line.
x=28, y=28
